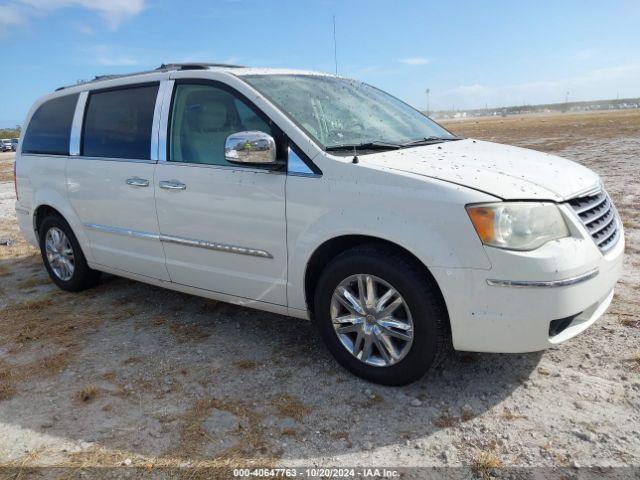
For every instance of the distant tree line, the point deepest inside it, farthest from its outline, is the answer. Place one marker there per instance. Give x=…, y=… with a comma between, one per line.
x=10, y=132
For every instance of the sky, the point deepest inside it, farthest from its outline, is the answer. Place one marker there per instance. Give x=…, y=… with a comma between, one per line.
x=467, y=53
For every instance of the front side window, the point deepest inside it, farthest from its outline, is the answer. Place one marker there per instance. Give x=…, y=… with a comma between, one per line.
x=336, y=111
x=118, y=123
x=50, y=127
x=202, y=118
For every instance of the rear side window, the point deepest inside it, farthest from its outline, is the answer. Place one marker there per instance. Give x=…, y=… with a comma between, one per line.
x=50, y=127
x=118, y=123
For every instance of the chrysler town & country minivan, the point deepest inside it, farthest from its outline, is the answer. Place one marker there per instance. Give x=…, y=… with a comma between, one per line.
x=317, y=197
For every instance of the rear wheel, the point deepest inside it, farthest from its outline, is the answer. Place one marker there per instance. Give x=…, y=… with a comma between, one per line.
x=381, y=316
x=63, y=257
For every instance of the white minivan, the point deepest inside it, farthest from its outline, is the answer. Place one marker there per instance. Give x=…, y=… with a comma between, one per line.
x=318, y=197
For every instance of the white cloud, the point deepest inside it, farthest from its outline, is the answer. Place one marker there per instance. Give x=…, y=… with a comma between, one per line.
x=582, y=55
x=106, y=56
x=414, y=61
x=83, y=28
x=10, y=16
x=603, y=83
x=116, y=61
x=114, y=12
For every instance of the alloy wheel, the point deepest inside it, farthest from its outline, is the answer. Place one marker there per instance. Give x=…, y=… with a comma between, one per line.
x=372, y=320
x=59, y=254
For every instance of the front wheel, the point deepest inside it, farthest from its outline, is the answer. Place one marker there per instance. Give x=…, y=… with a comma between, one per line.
x=381, y=315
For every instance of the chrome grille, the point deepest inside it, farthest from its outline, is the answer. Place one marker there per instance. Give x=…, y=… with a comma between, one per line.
x=600, y=218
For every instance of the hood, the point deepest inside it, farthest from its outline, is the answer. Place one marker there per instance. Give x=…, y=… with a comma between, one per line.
x=511, y=173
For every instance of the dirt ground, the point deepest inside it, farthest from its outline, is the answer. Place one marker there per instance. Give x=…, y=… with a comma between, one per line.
x=129, y=374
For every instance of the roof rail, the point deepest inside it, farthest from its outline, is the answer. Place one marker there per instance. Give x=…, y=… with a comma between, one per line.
x=194, y=66
x=165, y=67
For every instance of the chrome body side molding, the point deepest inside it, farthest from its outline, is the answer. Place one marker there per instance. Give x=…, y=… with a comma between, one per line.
x=544, y=283
x=121, y=231
x=221, y=247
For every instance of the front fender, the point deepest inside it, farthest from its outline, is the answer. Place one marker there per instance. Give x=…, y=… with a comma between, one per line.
x=426, y=218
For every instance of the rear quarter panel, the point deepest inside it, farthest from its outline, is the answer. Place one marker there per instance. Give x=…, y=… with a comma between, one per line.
x=41, y=180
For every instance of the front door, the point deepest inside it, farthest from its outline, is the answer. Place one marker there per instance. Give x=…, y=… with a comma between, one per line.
x=110, y=184
x=223, y=226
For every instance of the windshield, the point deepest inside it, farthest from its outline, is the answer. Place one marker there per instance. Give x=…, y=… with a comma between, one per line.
x=338, y=112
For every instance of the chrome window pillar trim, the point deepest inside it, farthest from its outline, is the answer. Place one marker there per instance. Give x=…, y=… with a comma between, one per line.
x=76, y=124
x=221, y=247
x=157, y=120
x=164, y=97
x=545, y=283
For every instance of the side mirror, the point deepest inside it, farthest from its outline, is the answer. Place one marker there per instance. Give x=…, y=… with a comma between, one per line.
x=256, y=148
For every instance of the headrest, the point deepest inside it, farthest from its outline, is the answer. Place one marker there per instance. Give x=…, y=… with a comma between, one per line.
x=205, y=113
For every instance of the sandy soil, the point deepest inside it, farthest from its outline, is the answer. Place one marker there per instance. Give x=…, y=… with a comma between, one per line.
x=128, y=374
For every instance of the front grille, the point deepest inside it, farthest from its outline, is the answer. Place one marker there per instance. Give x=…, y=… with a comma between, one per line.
x=600, y=218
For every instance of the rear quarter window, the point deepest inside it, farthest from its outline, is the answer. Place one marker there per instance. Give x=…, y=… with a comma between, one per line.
x=49, y=130
x=118, y=123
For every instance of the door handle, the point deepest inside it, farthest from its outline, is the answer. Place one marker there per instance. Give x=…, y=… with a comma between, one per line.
x=172, y=185
x=137, y=182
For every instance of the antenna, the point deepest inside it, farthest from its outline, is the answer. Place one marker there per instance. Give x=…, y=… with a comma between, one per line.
x=335, y=46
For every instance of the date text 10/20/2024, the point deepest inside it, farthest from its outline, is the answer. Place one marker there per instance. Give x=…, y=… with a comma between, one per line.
x=316, y=473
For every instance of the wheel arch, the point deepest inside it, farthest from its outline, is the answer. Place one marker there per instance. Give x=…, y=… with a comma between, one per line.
x=40, y=213
x=333, y=247
x=44, y=208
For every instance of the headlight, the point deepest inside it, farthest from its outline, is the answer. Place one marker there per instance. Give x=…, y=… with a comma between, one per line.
x=518, y=225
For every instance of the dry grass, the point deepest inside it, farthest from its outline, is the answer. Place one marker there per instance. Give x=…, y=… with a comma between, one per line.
x=484, y=464
x=629, y=320
x=559, y=131
x=245, y=364
x=634, y=361
x=290, y=406
x=445, y=420
x=7, y=388
x=508, y=415
x=4, y=271
x=467, y=415
x=252, y=449
x=165, y=466
x=23, y=462
x=50, y=365
x=6, y=168
x=13, y=375
x=50, y=318
x=186, y=333
x=33, y=282
x=87, y=394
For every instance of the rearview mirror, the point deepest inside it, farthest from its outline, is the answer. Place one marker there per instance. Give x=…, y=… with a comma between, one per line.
x=250, y=147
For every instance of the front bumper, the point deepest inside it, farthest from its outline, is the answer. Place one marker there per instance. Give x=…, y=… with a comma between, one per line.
x=552, y=283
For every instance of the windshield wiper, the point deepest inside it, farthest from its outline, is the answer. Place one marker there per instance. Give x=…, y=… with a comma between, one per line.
x=429, y=141
x=376, y=145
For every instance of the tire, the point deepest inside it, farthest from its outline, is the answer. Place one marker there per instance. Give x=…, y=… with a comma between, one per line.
x=79, y=276
x=421, y=307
